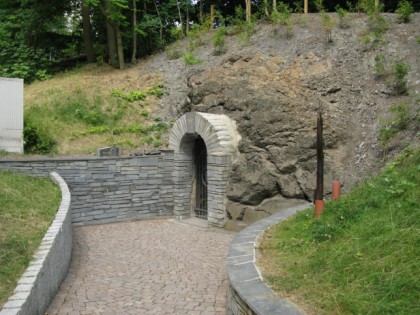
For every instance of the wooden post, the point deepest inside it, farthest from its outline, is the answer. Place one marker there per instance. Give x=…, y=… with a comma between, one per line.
x=305, y=6
x=336, y=190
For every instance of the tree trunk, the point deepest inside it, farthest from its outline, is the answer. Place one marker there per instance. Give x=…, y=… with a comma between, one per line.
x=134, y=43
x=111, y=34
x=305, y=6
x=112, y=47
x=87, y=34
x=274, y=5
x=266, y=8
x=187, y=22
x=160, y=23
x=201, y=14
x=248, y=10
x=120, y=48
x=179, y=14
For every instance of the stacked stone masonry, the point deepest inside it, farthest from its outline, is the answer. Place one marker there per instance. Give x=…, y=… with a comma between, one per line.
x=108, y=190
x=219, y=134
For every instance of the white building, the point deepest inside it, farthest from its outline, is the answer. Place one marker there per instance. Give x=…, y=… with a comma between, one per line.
x=11, y=115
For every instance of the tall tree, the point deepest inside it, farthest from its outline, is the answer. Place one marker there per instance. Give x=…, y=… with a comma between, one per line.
x=87, y=34
x=112, y=12
x=134, y=33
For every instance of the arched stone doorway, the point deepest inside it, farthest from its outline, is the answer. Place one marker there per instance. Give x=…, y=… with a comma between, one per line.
x=219, y=136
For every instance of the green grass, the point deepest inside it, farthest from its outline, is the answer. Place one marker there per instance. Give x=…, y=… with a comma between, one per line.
x=27, y=208
x=362, y=256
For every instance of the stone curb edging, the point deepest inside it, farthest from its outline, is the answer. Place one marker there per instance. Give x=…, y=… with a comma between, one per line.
x=48, y=268
x=248, y=294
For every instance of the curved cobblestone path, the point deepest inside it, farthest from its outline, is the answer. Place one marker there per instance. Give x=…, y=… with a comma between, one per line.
x=145, y=267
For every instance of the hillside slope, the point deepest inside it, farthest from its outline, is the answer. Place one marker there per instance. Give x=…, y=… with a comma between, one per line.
x=272, y=85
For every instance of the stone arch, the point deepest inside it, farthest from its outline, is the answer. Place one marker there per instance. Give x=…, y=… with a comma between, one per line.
x=221, y=139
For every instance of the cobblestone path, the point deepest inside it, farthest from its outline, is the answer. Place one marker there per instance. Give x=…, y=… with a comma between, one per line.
x=145, y=267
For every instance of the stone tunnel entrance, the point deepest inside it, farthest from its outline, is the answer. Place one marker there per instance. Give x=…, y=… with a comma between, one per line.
x=205, y=146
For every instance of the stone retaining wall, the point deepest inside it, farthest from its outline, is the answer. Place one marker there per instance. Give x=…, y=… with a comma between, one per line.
x=248, y=294
x=48, y=268
x=108, y=189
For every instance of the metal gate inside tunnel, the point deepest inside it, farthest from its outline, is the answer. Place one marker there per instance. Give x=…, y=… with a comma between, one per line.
x=200, y=161
x=205, y=145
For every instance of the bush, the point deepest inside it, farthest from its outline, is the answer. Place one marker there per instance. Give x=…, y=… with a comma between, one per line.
x=219, y=42
x=37, y=141
x=20, y=61
x=191, y=59
x=404, y=11
x=132, y=96
x=343, y=16
x=328, y=24
x=380, y=66
x=283, y=17
x=400, y=72
x=399, y=121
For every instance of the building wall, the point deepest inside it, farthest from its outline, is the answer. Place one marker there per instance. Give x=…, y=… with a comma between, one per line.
x=106, y=190
x=11, y=115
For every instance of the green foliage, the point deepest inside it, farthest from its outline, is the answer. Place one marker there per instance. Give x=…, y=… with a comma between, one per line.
x=247, y=34
x=20, y=61
x=378, y=24
x=191, y=59
x=361, y=253
x=240, y=26
x=283, y=17
x=368, y=6
x=195, y=37
x=27, y=208
x=319, y=5
x=174, y=51
x=237, y=21
x=343, y=16
x=378, y=27
x=328, y=25
x=144, y=113
x=404, y=10
x=219, y=41
x=400, y=81
x=78, y=108
x=37, y=140
x=380, y=70
x=399, y=120
x=158, y=92
x=131, y=96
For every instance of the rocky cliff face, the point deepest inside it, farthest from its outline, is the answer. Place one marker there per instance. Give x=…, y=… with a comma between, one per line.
x=277, y=162
x=273, y=87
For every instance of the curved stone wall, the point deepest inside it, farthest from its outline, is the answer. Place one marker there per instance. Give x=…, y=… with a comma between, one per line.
x=248, y=294
x=48, y=268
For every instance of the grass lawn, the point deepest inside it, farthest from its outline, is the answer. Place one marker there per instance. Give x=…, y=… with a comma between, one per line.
x=361, y=257
x=27, y=207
